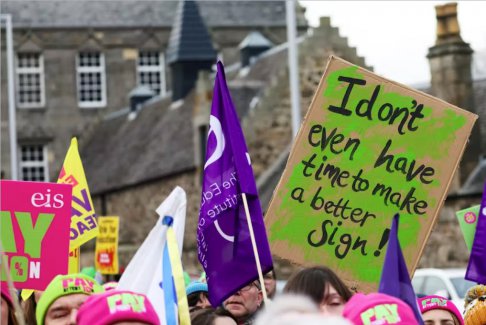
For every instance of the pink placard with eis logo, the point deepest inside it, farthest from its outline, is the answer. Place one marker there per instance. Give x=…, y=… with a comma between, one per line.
x=35, y=221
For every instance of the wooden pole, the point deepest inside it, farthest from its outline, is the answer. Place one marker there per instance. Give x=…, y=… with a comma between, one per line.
x=255, y=250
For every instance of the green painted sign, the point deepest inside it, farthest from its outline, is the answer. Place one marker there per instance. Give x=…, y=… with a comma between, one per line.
x=369, y=148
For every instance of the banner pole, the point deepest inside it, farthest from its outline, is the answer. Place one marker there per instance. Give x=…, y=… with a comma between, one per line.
x=15, y=301
x=255, y=250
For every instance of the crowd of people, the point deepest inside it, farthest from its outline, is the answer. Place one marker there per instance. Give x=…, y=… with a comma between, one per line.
x=311, y=296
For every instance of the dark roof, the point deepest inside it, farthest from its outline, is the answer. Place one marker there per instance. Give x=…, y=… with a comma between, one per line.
x=146, y=13
x=189, y=38
x=123, y=152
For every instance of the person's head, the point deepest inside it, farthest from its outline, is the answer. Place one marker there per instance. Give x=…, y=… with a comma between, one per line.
x=197, y=295
x=378, y=308
x=475, y=306
x=289, y=309
x=438, y=310
x=62, y=298
x=245, y=302
x=209, y=316
x=117, y=307
x=270, y=282
x=7, y=312
x=323, y=286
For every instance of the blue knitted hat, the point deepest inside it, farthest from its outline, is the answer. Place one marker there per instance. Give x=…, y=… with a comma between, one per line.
x=196, y=287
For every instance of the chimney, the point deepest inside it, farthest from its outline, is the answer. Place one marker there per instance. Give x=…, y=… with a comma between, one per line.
x=190, y=49
x=253, y=45
x=450, y=62
x=138, y=96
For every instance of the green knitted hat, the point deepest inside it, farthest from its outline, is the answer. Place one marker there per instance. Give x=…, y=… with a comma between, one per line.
x=63, y=285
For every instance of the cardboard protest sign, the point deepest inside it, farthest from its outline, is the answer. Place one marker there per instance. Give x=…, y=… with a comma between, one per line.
x=35, y=219
x=106, y=254
x=84, y=226
x=468, y=220
x=368, y=148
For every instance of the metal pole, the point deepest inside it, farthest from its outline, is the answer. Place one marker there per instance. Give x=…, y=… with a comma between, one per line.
x=293, y=66
x=12, y=124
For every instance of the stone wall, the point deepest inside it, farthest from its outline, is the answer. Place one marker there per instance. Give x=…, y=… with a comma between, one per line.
x=136, y=208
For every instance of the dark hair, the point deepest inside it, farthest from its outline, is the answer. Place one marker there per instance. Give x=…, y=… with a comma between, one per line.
x=29, y=307
x=193, y=298
x=207, y=316
x=314, y=283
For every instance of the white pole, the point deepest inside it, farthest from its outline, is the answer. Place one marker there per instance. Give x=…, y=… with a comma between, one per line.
x=293, y=66
x=255, y=250
x=12, y=124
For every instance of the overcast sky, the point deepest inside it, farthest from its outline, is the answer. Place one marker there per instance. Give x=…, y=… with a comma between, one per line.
x=394, y=36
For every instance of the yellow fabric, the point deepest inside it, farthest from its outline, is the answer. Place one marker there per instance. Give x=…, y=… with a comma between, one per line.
x=177, y=272
x=72, y=172
x=26, y=293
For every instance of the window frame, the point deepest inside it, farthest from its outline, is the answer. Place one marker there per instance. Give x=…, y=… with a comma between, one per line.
x=149, y=68
x=44, y=163
x=29, y=70
x=91, y=69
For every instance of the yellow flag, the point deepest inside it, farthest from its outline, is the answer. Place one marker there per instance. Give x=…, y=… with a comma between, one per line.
x=106, y=254
x=84, y=226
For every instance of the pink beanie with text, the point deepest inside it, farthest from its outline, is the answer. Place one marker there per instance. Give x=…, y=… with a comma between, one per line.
x=437, y=302
x=378, y=309
x=117, y=306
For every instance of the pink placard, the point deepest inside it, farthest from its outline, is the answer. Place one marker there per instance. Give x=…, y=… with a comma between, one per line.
x=35, y=222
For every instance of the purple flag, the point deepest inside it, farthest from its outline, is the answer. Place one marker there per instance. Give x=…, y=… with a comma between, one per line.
x=395, y=280
x=476, y=269
x=224, y=245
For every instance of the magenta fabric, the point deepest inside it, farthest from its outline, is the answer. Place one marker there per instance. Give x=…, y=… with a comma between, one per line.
x=378, y=308
x=117, y=306
x=437, y=302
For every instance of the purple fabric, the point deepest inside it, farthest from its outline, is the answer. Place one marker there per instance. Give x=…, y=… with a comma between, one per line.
x=224, y=244
x=476, y=269
x=395, y=280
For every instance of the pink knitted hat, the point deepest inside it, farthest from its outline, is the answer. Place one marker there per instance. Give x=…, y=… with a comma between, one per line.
x=437, y=302
x=378, y=309
x=116, y=306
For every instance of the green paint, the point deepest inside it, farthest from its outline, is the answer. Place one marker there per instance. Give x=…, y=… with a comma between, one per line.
x=33, y=235
x=6, y=229
x=427, y=145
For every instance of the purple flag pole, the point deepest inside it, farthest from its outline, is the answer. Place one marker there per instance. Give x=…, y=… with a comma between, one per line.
x=231, y=233
x=476, y=268
x=395, y=280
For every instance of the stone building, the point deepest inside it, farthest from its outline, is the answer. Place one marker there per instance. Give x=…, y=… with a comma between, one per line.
x=136, y=156
x=76, y=61
x=451, y=61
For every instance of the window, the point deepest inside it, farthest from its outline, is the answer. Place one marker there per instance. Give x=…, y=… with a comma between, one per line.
x=30, y=80
x=151, y=71
x=90, y=69
x=33, y=163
